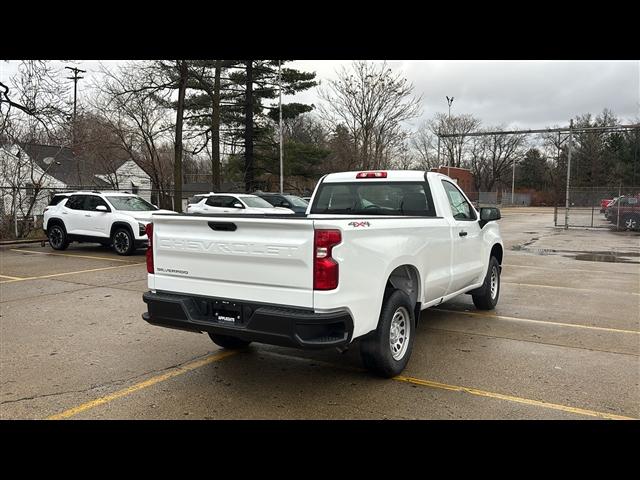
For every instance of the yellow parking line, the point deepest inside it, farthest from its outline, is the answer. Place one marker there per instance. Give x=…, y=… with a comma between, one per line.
x=503, y=317
x=10, y=278
x=472, y=391
x=73, y=255
x=70, y=273
x=511, y=398
x=570, y=288
x=147, y=383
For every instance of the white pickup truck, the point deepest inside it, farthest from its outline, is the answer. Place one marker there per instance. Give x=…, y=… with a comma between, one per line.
x=374, y=249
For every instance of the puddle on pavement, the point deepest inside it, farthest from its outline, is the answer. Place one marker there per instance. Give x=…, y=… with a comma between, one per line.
x=606, y=257
x=596, y=256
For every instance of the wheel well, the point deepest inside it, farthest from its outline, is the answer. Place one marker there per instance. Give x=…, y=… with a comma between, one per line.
x=55, y=221
x=496, y=251
x=118, y=225
x=407, y=279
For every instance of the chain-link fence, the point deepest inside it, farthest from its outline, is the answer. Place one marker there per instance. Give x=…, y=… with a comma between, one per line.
x=603, y=207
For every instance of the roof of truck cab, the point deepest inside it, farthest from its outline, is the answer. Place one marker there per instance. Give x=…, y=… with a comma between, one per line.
x=392, y=175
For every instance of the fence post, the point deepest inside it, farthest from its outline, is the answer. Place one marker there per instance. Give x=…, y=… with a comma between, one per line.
x=618, y=207
x=555, y=214
x=566, y=210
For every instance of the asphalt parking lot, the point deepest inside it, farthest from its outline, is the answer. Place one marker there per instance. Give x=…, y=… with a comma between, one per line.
x=563, y=343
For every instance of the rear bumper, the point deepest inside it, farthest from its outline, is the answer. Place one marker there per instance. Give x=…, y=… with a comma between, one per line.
x=271, y=324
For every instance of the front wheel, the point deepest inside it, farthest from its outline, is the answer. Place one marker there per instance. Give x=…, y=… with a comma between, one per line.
x=123, y=243
x=487, y=297
x=386, y=351
x=630, y=222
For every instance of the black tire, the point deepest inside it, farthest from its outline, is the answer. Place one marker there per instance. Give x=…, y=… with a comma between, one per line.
x=57, y=236
x=487, y=297
x=630, y=222
x=225, y=341
x=376, y=349
x=123, y=242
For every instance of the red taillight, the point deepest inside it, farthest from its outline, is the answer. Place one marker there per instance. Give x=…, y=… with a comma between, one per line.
x=149, y=230
x=372, y=175
x=325, y=268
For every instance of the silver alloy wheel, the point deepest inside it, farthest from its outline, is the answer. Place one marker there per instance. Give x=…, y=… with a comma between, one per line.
x=630, y=223
x=494, y=282
x=399, y=333
x=121, y=242
x=55, y=237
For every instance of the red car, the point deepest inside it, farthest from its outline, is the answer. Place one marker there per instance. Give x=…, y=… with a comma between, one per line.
x=604, y=204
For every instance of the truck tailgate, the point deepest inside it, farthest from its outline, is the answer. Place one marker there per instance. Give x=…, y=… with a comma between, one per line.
x=261, y=259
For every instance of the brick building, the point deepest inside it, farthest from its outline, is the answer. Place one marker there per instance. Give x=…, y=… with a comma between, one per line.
x=462, y=176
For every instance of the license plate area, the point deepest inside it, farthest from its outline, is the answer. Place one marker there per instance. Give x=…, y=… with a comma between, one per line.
x=226, y=313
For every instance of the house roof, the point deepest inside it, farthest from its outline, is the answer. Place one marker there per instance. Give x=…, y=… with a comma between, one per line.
x=67, y=167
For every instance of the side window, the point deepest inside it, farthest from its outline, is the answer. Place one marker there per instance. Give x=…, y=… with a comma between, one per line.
x=93, y=201
x=229, y=202
x=75, y=202
x=213, y=202
x=460, y=208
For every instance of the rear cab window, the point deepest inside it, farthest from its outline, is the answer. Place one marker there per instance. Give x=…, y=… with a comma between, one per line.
x=375, y=198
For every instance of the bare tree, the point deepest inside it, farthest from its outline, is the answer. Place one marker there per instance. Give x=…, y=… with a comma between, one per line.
x=453, y=148
x=492, y=157
x=36, y=99
x=137, y=114
x=424, y=144
x=371, y=103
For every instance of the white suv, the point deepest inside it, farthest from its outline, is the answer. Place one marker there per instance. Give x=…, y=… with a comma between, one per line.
x=233, y=203
x=109, y=218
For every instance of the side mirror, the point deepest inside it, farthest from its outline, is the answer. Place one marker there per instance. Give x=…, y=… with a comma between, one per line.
x=489, y=214
x=238, y=205
x=101, y=208
x=284, y=204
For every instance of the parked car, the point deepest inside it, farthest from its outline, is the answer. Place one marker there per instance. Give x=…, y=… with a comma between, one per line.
x=292, y=202
x=375, y=250
x=234, y=203
x=627, y=209
x=604, y=203
x=109, y=218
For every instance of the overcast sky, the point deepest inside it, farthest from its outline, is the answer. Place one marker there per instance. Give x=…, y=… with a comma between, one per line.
x=518, y=94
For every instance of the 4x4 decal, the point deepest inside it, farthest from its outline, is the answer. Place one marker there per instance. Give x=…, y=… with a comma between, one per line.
x=360, y=224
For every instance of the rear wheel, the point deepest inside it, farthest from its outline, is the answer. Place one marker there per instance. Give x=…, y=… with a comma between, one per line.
x=122, y=241
x=58, y=237
x=225, y=341
x=386, y=351
x=487, y=297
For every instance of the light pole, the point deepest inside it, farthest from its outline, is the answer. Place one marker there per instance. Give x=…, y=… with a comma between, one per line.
x=449, y=101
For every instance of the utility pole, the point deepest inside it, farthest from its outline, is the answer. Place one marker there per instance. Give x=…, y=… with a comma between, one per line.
x=449, y=101
x=280, y=107
x=75, y=79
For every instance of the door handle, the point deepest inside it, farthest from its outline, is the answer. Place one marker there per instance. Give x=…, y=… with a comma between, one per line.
x=65, y=213
x=462, y=233
x=87, y=215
